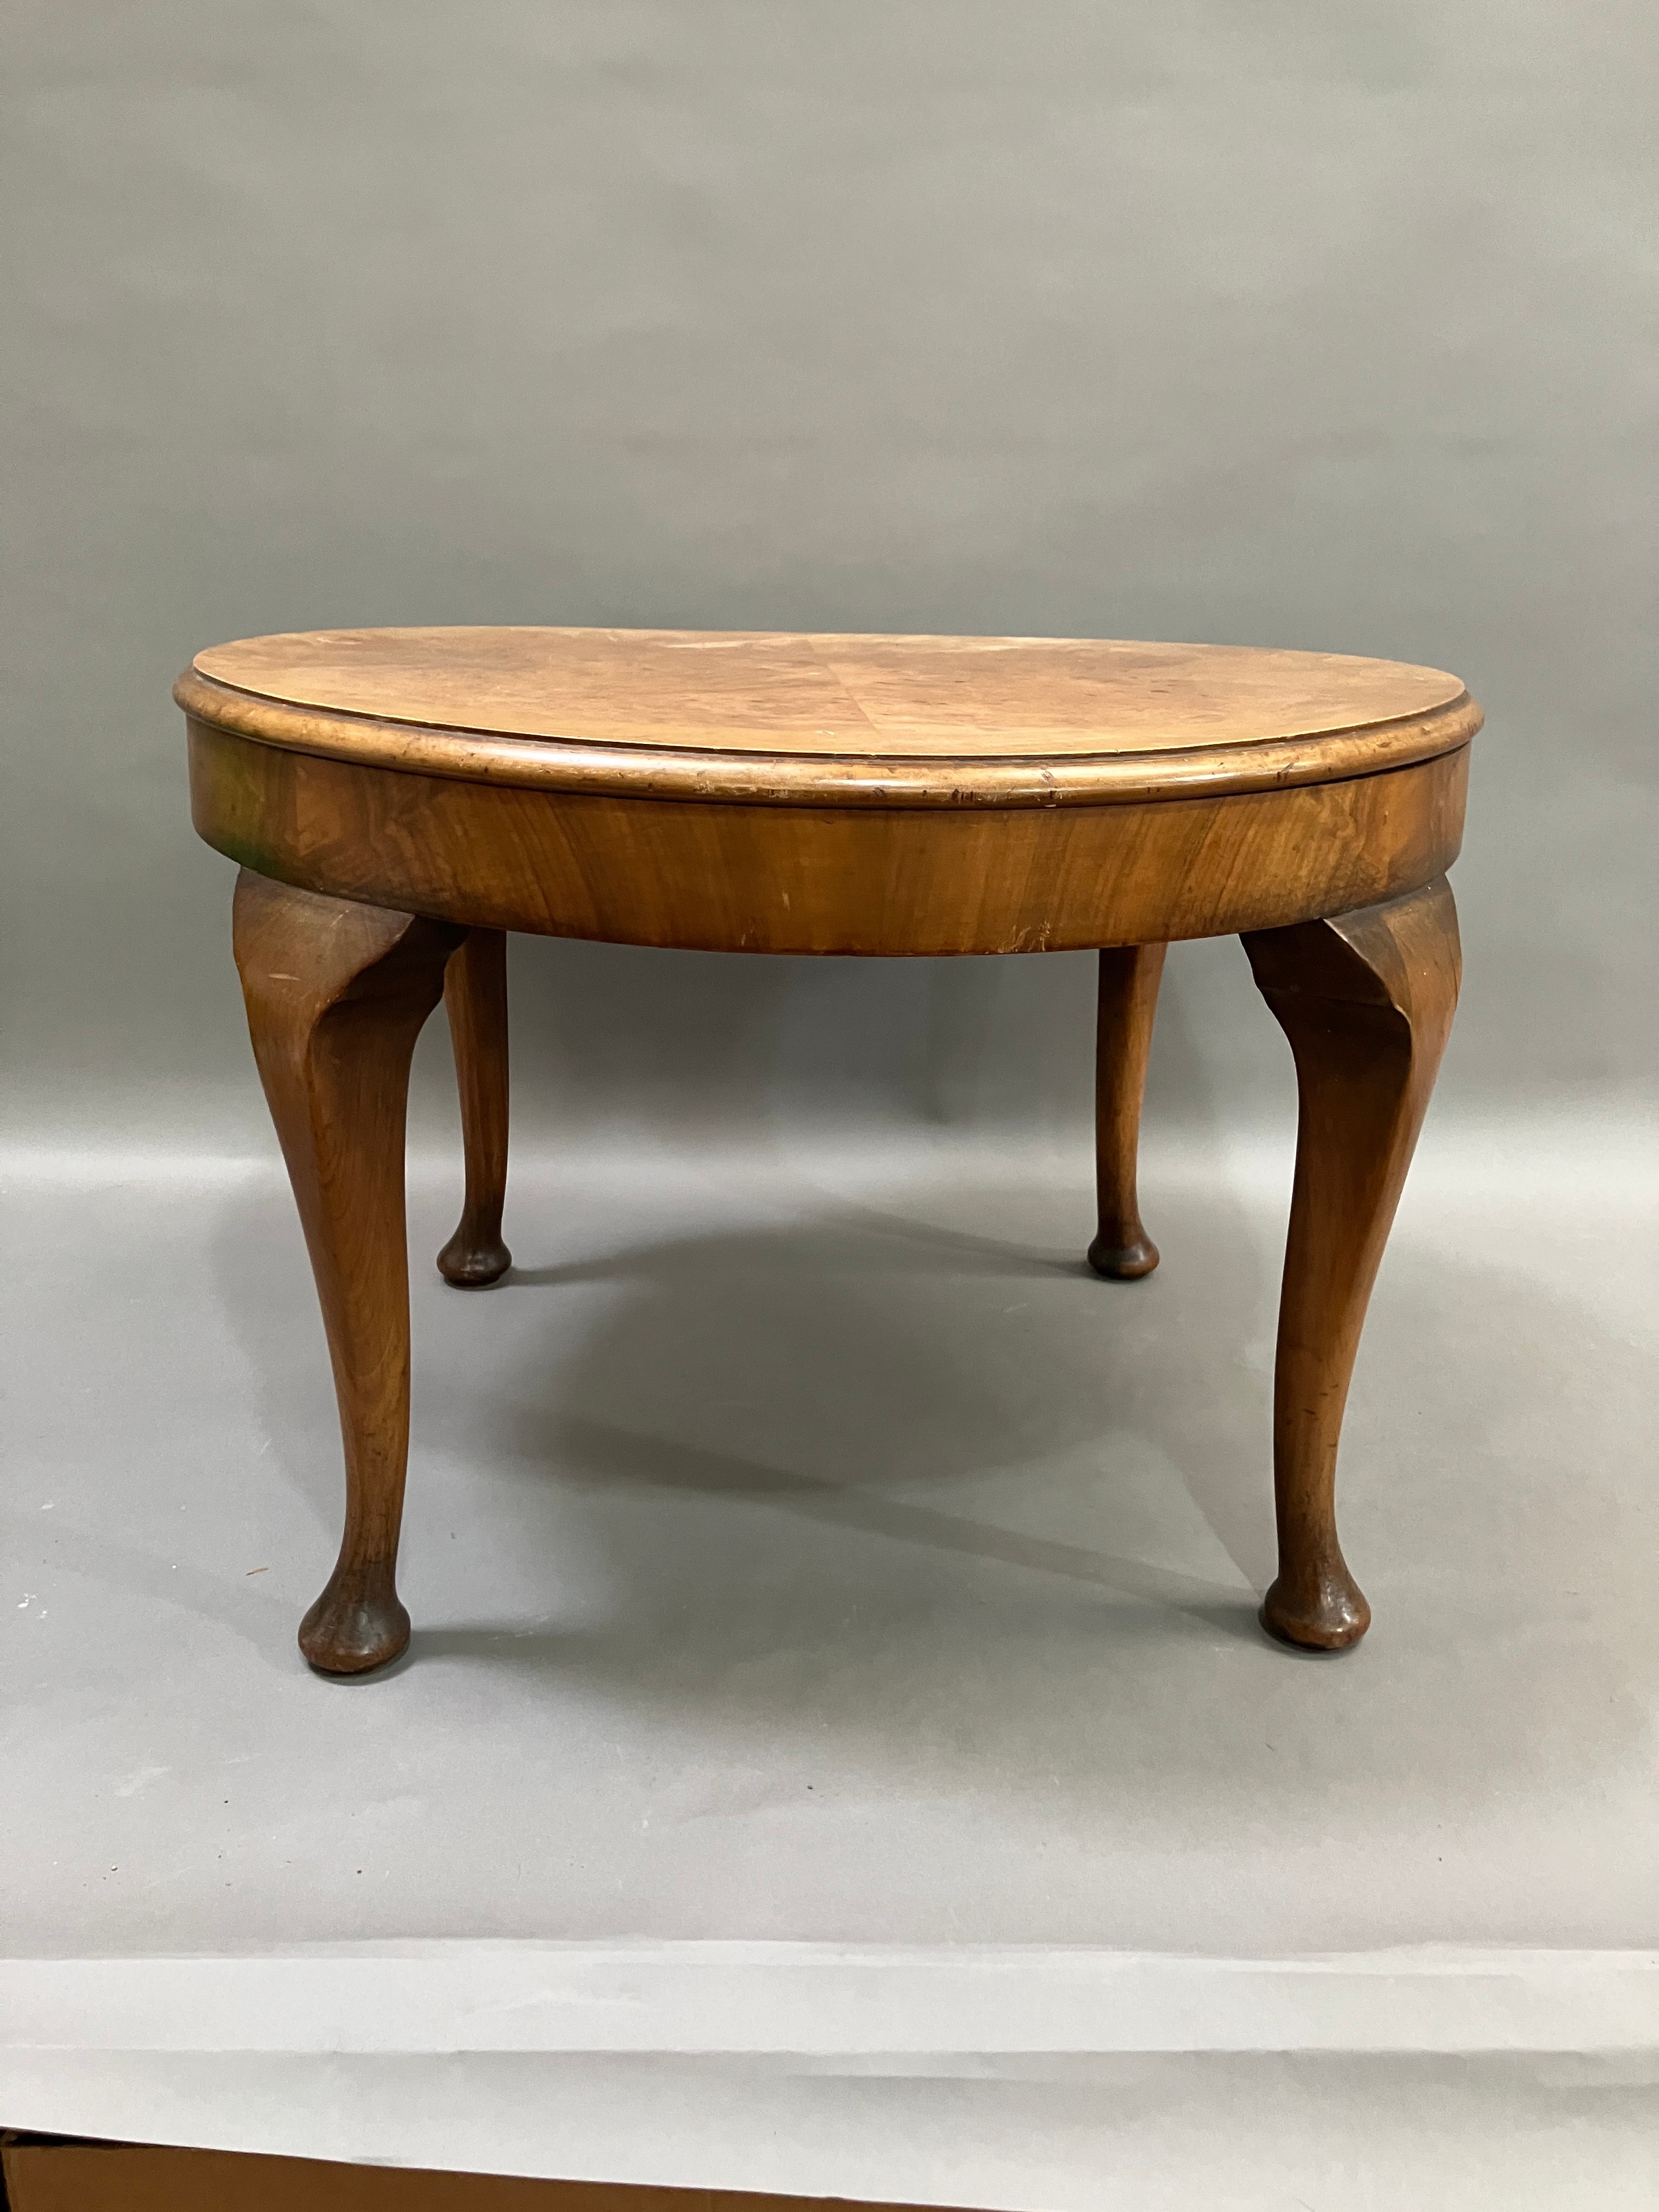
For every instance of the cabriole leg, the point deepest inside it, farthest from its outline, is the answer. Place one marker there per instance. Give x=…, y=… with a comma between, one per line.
x=336, y=995
x=475, y=997
x=1129, y=977
x=1366, y=1000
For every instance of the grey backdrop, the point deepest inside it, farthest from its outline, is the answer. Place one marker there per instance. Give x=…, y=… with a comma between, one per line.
x=1325, y=323
x=1256, y=320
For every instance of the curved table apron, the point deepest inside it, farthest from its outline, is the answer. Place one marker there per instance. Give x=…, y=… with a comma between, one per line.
x=399, y=799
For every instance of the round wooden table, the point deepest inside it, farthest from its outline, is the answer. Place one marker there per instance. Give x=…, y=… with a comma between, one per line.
x=399, y=798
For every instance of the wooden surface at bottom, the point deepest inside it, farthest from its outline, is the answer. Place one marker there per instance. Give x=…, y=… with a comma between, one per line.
x=59, y=2177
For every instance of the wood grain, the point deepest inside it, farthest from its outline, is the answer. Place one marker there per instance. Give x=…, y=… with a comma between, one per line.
x=763, y=719
x=726, y=877
x=475, y=997
x=815, y=695
x=1366, y=1000
x=336, y=995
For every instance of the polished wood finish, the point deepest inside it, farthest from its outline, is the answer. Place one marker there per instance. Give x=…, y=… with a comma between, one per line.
x=818, y=696
x=758, y=719
x=475, y=994
x=1366, y=1000
x=1127, y=1001
x=336, y=995
x=713, y=877
x=399, y=799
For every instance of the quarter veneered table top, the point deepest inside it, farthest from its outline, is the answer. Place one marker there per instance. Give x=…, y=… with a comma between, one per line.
x=816, y=712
